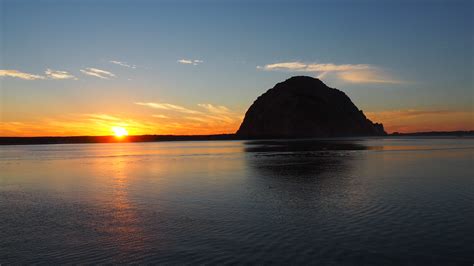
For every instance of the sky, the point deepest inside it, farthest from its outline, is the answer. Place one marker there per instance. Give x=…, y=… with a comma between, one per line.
x=82, y=67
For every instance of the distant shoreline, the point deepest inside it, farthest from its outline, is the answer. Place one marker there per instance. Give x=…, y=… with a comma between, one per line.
x=161, y=138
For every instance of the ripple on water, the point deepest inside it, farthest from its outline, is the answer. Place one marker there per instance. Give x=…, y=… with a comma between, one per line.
x=261, y=203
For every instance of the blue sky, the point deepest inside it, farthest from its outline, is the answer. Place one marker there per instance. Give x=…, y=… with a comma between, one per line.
x=411, y=59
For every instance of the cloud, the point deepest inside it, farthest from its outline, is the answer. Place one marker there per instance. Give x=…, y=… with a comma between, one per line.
x=185, y=61
x=56, y=74
x=99, y=73
x=49, y=74
x=367, y=76
x=216, y=109
x=211, y=119
x=302, y=67
x=190, y=62
x=352, y=73
x=209, y=108
x=168, y=106
x=103, y=117
x=197, y=118
x=160, y=116
x=19, y=74
x=124, y=64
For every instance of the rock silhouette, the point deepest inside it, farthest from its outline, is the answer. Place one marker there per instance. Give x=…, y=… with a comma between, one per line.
x=305, y=107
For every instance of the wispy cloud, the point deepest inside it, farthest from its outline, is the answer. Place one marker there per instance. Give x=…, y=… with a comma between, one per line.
x=185, y=61
x=99, y=73
x=215, y=109
x=303, y=67
x=168, y=106
x=160, y=116
x=57, y=74
x=368, y=76
x=124, y=64
x=209, y=119
x=353, y=73
x=49, y=74
x=194, y=62
x=18, y=74
x=105, y=117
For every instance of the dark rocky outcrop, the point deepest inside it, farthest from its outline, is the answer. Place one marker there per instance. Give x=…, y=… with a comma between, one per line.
x=305, y=107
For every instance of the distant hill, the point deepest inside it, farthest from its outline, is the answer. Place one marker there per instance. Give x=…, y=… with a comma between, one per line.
x=436, y=133
x=158, y=138
x=305, y=107
x=108, y=139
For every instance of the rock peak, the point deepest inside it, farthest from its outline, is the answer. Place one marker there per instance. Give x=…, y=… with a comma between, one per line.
x=303, y=106
x=302, y=82
x=303, y=79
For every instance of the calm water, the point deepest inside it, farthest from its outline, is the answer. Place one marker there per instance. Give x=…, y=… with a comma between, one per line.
x=364, y=201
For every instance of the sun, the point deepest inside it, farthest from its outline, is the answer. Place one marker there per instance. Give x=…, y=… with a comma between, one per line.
x=119, y=132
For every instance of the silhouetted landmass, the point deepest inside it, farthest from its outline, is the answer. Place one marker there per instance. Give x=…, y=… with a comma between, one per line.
x=437, y=133
x=302, y=107
x=157, y=138
x=109, y=139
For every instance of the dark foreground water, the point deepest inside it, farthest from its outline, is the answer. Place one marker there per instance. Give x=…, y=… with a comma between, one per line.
x=364, y=201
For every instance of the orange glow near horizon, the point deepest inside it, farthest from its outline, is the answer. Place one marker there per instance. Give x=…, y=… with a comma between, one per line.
x=410, y=120
x=403, y=121
x=106, y=125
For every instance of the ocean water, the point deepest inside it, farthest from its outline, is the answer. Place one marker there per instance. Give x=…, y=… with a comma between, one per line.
x=373, y=201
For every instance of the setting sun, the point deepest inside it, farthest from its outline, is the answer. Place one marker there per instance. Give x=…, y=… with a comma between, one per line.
x=119, y=131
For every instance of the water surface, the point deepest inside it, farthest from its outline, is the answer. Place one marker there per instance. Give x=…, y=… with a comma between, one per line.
x=349, y=201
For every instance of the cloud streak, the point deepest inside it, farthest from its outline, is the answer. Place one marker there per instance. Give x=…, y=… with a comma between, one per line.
x=49, y=74
x=160, y=116
x=215, y=109
x=352, y=73
x=168, y=107
x=368, y=76
x=194, y=62
x=124, y=64
x=99, y=73
x=18, y=74
x=303, y=67
x=57, y=74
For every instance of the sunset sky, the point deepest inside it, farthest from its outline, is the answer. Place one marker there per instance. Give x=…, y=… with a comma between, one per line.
x=194, y=67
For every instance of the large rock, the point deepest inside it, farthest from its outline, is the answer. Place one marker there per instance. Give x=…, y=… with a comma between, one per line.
x=305, y=107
